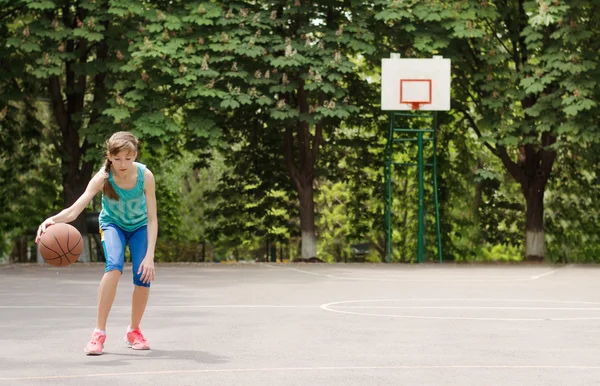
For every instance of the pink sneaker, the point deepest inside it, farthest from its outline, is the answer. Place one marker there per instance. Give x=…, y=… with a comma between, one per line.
x=136, y=340
x=96, y=344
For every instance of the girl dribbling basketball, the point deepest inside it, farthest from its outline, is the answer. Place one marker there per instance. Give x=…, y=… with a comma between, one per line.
x=128, y=216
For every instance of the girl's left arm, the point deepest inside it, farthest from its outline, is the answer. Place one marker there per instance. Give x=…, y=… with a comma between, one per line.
x=146, y=270
x=150, y=190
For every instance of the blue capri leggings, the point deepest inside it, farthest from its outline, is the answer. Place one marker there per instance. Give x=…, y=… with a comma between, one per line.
x=114, y=240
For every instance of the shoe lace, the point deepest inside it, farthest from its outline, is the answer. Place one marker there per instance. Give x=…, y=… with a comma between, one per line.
x=138, y=336
x=96, y=338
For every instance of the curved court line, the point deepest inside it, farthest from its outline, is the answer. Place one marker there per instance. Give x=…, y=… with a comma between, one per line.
x=470, y=300
x=473, y=308
x=333, y=308
x=319, y=368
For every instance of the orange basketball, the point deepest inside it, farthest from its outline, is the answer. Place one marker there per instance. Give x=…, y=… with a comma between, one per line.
x=61, y=245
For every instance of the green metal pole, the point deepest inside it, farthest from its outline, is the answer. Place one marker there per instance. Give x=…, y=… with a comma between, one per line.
x=421, y=218
x=435, y=188
x=387, y=214
x=388, y=190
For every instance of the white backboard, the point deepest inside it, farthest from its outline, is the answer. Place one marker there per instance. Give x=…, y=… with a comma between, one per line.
x=410, y=83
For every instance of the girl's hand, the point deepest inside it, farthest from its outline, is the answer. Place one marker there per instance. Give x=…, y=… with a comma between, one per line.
x=147, y=270
x=42, y=228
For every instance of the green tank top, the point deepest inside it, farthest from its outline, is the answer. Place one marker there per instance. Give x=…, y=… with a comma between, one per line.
x=130, y=212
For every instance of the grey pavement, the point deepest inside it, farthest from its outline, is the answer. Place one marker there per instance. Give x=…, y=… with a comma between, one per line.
x=308, y=324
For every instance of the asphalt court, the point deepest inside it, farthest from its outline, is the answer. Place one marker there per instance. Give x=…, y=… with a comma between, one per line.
x=308, y=324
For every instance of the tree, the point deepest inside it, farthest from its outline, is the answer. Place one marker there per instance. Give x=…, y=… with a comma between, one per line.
x=309, y=48
x=279, y=66
x=524, y=76
x=76, y=55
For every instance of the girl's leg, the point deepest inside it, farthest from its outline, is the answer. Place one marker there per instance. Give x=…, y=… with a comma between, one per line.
x=138, y=245
x=113, y=241
x=139, y=300
x=106, y=296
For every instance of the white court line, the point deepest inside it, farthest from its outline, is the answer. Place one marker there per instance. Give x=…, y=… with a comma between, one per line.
x=535, y=277
x=470, y=308
x=74, y=306
x=162, y=306
x=319, y=368
x=470, y=300
x=335, y=307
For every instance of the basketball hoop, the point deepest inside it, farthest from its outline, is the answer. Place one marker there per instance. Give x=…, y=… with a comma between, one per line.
x=415, y=84
x=415, y=92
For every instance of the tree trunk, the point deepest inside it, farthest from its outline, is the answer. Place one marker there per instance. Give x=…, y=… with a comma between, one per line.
x=307, y=222
x=19, y=253
x=532, y=172
x=534, y=222
x=300, y=151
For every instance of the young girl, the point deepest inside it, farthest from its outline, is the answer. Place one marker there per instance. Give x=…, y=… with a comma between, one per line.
x=128, y=215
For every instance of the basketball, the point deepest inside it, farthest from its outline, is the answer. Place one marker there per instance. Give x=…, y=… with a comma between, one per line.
x=61, y=245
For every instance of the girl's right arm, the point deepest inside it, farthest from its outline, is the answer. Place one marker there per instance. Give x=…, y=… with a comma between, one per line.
x=71, y=213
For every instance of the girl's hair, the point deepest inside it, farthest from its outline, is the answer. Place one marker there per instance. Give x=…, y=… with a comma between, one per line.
x=118, y=142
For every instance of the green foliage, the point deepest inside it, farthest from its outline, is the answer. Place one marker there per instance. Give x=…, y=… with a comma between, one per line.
x=261, y=66
x=501, y=253
x=28, y=173
x=572, y=227
x=250, y=203
x=524, y=73
x=80, y=59
x=333, y=221
x=216, y=88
